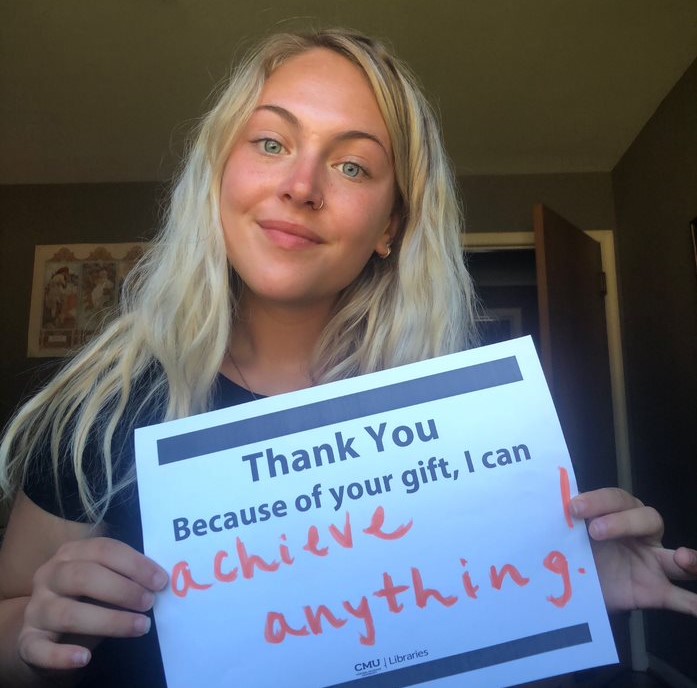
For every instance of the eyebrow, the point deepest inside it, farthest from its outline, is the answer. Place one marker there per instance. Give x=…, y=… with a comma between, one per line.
x=344, y=136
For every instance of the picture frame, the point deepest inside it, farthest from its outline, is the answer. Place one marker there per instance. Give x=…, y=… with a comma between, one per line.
x=76, y=290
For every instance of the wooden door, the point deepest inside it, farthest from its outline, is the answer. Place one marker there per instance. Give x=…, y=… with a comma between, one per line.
x=573, y=340
x=574, y=353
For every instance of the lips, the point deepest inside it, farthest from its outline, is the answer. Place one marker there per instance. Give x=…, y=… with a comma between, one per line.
x=289, y=234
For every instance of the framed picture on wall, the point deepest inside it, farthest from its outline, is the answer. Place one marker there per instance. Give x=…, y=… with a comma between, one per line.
x=75, y=292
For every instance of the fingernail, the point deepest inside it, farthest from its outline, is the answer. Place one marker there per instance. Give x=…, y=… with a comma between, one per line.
x=142, y=624
x=148, y=600
x=576, y=507
x=80, y=658
x=597, y=529
x=159, y=580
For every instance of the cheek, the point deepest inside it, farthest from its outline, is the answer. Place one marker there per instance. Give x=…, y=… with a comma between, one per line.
x=233, y=191
x=370, y=220
x=237, y=197
x=242, y=176
x=369, y=208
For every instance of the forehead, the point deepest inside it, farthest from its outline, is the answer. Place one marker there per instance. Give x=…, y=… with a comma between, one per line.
x=318, y=64
x=320, y=82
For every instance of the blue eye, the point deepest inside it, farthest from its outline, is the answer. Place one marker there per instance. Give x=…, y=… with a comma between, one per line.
x=351, y=169
x=271, y=146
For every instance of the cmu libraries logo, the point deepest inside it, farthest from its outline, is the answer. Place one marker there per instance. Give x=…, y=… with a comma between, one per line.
x=372, y=666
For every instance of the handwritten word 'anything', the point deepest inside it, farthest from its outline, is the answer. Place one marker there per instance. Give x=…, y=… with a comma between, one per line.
x=277, y=627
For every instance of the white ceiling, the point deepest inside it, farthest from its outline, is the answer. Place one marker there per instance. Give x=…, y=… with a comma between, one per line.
x=106, y=90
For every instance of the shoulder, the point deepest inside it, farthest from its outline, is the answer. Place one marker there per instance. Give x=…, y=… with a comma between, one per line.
x=58, y=471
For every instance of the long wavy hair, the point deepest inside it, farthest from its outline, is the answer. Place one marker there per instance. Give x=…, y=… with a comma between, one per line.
x=182, y=300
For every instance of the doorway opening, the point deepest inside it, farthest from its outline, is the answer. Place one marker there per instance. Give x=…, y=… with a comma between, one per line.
x=506, y=285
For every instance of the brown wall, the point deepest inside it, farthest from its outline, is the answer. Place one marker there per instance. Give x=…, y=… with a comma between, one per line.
x=655, y=190
x=503, y=203
x=72, y=213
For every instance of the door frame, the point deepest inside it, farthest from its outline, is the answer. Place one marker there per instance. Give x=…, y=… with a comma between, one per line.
x=512, y=241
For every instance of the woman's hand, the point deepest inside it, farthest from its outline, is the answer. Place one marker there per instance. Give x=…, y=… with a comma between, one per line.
x=636, y=571
x=88, y=590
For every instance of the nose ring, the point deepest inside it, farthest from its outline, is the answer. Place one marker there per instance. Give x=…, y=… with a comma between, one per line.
x=319, y=207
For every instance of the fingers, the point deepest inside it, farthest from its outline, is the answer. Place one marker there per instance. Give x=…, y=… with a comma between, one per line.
x=61, y=615
x=669, y=564
x=39, y=651
x=92, y=580
x=645, y=523
x=613, y=514
x=92, y=588
x=608, y=500
x=686, y=560
x=95, y=587
x=117, y=556
x=635, y=570
x=679, y=599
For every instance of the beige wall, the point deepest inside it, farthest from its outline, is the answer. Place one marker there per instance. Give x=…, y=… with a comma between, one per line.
x=655, y=191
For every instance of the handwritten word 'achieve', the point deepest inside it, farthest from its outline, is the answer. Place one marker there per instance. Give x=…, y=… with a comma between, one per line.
x=340, y=448
x=182, y=579
x=278, y=628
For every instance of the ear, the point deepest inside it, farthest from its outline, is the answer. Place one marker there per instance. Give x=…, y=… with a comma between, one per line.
x=388, y=236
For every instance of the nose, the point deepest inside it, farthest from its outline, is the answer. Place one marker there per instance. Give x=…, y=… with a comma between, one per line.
x=302, y=184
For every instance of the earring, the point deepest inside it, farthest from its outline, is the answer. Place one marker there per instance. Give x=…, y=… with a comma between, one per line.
x=386, y=255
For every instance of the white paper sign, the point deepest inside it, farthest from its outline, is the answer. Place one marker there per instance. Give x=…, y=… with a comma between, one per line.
x=406, y=527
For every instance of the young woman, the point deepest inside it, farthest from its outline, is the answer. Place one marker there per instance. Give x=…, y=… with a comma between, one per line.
x=313, y=235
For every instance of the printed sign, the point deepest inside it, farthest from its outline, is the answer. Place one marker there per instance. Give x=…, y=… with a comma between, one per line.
x=405, y=527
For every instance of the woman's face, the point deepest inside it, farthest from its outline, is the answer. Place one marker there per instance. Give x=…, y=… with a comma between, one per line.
x=308, y=190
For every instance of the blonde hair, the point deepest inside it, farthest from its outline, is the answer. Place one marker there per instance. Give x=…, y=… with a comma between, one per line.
x=182, y=300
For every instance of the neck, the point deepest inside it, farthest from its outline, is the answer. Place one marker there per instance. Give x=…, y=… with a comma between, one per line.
x=271, y=347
